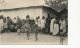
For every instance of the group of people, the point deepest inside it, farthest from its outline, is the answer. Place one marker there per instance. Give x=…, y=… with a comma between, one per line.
x=49, y=25
x=7, y=24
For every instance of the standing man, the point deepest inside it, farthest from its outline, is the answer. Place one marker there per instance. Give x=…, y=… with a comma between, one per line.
x=66, y=20
x=19, y=25
x=15, y=23
x=9, y=22
x=5, y=25
x=47, y=25
x=32, y=23
x=27, y=26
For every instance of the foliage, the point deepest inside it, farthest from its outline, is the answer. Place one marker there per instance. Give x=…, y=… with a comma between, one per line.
x=57, y=5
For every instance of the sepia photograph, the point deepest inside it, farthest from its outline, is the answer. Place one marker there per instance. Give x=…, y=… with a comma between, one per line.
x=33, y=22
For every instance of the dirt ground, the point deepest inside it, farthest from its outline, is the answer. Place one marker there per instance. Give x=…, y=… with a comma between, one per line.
x=12, y=38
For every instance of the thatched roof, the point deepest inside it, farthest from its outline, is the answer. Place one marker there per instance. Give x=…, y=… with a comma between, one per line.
x=22, y=3
x=11, y=4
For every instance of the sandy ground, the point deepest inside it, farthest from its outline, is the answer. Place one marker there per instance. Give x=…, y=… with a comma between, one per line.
x=14, y=39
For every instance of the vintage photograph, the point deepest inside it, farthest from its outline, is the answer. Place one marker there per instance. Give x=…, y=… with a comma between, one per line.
x=33, y=22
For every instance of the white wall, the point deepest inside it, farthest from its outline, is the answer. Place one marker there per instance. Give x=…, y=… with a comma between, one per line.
x=33, y=12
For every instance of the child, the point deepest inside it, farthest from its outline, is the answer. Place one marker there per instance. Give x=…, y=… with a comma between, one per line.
x=32, y=22
x=62, y=30
x=61, y=37
x=38, y=23
x=27, y=29
x=36, y=31
x=18, y=31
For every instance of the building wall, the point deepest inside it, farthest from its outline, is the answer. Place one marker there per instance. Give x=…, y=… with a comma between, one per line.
x=32, y=11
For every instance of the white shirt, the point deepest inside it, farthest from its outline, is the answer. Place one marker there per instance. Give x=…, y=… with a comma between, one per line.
x=39, y=22
x=43, y=23
x=63, y=25
x=1, y=23
x=14, y=21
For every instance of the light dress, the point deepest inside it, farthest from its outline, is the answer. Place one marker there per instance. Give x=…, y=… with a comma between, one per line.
x=52, y=26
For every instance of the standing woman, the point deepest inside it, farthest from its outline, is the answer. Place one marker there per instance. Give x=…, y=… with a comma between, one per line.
x=1, y=24
x=43, y=21
x=52, y=25
x=56, y=28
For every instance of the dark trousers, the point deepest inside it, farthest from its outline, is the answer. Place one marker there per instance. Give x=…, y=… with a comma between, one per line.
x=5, y=29
x=62, y=36
x=43, y=30
x=36, y=34
x=61, y=40
x=27, y=32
